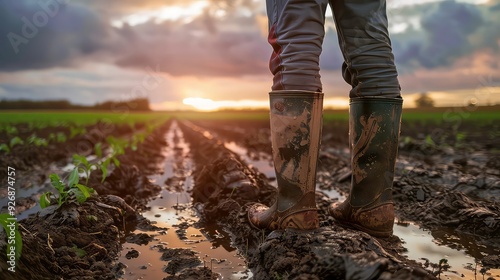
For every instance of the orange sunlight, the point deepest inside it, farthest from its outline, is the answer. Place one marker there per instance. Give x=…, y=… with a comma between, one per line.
x=206, y=104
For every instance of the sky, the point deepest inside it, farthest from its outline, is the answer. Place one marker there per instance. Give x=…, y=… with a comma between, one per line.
x=211, y=54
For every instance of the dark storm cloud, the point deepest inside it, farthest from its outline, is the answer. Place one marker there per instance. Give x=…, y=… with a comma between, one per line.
x=449, y=31
x=195, y=48
x=209, y=45
x=47, y=33
x=73, y=33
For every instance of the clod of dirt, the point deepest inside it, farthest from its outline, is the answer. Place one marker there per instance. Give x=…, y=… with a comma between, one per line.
x=139, y=239
x=146, y=225
x=449, y=208
x=179, y=259
x=182, y=230
x=197, y=273
x=132, y=254
x=492, y=261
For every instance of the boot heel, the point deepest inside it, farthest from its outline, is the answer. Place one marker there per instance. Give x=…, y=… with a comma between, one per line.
x=377, y=221
x=303, y=220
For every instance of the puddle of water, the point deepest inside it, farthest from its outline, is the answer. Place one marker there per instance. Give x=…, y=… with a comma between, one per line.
x=421, y=244
x=213, y=247
x=263, y=164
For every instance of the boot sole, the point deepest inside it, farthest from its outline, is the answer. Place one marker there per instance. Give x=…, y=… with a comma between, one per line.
x=289, y=218
x=374, y=233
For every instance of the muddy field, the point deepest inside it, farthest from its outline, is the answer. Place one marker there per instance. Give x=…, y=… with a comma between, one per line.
x=175, y=208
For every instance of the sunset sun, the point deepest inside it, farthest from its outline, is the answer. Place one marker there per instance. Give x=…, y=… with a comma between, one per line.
x=202, y=104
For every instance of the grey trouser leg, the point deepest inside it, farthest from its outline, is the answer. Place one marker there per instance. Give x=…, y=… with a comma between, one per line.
x=296, y=32
x=364, y=40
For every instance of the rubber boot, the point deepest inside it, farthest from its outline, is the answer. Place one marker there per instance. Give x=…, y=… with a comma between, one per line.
x=296, y=120
x=374, y=125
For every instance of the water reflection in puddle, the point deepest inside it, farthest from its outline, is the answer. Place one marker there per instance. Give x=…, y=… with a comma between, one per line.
x=421, y=244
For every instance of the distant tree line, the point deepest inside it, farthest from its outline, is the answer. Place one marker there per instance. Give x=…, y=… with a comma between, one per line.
x=139, y=104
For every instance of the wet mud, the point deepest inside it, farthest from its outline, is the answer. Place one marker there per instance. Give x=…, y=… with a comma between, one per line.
x=83, y=241
x=451, y=191
x=330, y=252
x=447, y=189
x=73, y=242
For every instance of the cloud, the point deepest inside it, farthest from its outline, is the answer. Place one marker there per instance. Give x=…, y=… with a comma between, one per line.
x=204, y=47
x=74, y=33
x=447, y=32
x=44, y=34
x=225, y=40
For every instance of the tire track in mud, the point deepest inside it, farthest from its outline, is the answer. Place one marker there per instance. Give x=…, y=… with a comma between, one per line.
x=224, y=186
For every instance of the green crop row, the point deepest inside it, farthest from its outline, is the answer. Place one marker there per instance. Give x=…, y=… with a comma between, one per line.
x=54, y=118
x=33, y=139
x=69, y=188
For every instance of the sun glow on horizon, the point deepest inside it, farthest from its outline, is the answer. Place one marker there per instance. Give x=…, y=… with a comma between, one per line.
x=202, y=104
x=206, y=104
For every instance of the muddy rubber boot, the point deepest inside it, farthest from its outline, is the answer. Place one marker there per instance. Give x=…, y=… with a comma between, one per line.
x=374, y=125
x=296, y=120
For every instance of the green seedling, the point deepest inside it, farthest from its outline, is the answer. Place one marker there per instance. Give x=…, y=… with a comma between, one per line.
x=5, y=221
x=104, y=168
x=79, y=252
x=59, y=137
x=40, y=125
x=429, y=141
x=98, y=149
x=460, y=139
x=16, y=141
x=4, y=147
x=104, y=164
x=92, y=218
x=150, y=128
x=83, y=165
x=118, y=146
x=37, y=141
x=75, y=131
x=138, y=138
x=67, y=190
x=11, y=130
x=86, y=167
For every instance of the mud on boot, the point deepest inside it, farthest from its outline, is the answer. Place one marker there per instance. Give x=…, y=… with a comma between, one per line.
x=296, y=120
x=374, y=126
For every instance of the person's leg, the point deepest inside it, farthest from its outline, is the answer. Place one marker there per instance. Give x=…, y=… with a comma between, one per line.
x=375, y=114
x=364, y=40
x=296, y=31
